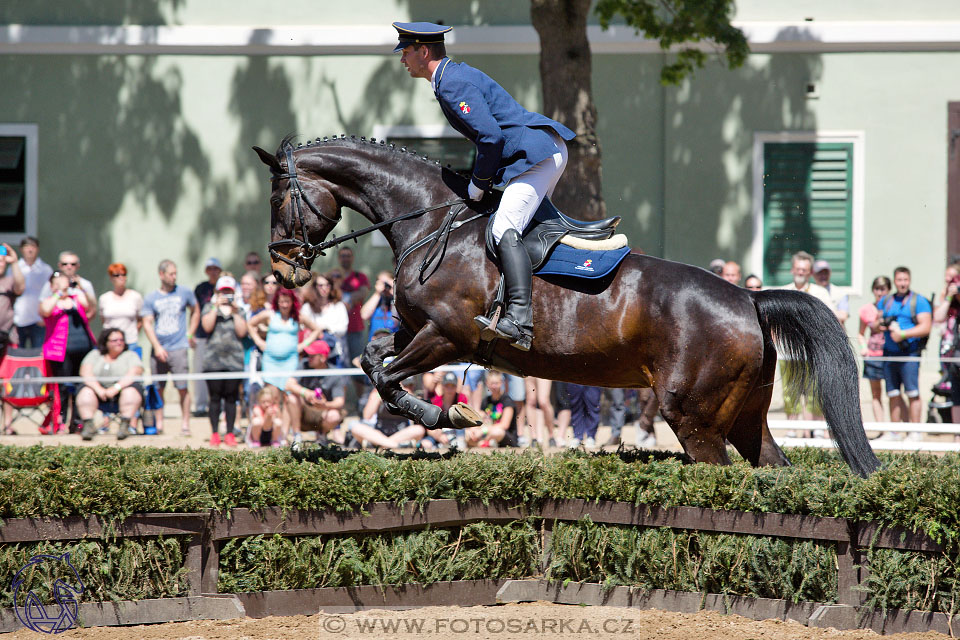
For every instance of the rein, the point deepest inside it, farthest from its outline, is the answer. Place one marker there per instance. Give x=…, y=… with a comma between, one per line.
x=309, y=250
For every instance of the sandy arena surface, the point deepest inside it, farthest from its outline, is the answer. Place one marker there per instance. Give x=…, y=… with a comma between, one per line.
x=516, y=620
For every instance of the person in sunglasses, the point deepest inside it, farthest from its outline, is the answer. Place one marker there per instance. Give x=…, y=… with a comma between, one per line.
x=68, y=264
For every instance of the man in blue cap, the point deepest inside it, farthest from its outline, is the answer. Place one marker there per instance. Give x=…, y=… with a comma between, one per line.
x=523, y=151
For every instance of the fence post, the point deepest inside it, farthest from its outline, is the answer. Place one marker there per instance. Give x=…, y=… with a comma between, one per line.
x=210, y=557
x=848, y=574
x=194, y=563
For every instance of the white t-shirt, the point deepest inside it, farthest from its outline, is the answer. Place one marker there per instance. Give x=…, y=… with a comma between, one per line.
x=122, y=312
x=815, y=290
x=26, y=310
x=333, y=318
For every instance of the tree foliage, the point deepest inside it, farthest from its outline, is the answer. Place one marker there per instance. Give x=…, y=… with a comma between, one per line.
x=675, y=22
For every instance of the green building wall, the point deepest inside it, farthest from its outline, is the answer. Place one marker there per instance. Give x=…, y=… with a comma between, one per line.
x=148, y=157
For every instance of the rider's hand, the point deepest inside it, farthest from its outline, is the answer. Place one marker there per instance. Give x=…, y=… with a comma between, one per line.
x=474, y=192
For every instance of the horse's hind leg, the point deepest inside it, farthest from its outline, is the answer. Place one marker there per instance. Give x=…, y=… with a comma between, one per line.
x=699, y=439
x=750, y=434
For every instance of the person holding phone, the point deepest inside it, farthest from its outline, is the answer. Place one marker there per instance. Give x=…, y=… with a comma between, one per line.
x=379, y=310
x=225, y=324
x=12, y=285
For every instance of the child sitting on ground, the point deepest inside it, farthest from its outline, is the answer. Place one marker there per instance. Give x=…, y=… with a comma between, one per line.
x=266, y=420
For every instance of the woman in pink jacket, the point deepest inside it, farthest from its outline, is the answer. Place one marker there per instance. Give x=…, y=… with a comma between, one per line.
x=68, y=338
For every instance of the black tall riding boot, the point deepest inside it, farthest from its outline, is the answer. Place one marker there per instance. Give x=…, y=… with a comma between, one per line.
x=516, y=325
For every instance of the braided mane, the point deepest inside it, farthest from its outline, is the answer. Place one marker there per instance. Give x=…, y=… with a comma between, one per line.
x=357, y=143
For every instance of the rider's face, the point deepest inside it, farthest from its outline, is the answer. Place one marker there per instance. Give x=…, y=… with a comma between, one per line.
x=415, y=59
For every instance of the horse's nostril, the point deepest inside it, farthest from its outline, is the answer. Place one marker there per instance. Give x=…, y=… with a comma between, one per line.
x=276, y=274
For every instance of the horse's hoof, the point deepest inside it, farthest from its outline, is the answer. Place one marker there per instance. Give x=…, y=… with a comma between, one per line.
x=463, y=417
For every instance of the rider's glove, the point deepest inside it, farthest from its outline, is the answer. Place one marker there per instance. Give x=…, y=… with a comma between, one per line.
x=474, y=192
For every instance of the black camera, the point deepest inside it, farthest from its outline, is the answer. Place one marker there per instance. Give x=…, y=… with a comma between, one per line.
x=886, y=322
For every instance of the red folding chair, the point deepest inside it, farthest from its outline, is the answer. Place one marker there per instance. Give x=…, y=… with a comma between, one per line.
x=27, y=397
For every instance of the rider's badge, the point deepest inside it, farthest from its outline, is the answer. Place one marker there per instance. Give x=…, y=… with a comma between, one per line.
x=464, y=108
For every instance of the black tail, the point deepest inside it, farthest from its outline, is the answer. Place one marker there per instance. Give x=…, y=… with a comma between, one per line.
x=806, y=331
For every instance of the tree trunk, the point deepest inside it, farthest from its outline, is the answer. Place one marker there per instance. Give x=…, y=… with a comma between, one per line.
x=565, y=73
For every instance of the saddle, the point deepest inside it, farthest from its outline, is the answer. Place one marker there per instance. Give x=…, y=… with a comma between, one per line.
x=548, y=227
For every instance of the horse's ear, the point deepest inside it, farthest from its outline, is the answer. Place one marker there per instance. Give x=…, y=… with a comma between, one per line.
x=269, y=159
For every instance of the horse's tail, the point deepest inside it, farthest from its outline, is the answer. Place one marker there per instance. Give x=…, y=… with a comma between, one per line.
x=807, y=332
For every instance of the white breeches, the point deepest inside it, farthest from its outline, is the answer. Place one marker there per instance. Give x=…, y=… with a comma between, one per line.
x=523, y=194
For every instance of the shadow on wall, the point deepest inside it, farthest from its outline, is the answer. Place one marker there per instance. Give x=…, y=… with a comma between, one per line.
x=91, y=12
x=710, y=125
x=115, y=132
x=261, y=102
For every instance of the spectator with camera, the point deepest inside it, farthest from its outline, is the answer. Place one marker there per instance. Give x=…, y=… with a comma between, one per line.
x=947, y=313
x=225, y=325
x=26, y=310
x=872, y=346
x=110, y=360
x=905, y=319
x=378, y=310
x=12, y=285
x=203, y=292
x=68, y=264
x=68, y=336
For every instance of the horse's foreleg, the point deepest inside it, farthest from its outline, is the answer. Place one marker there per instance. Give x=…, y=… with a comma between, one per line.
x=374, y=354
x=424, y=351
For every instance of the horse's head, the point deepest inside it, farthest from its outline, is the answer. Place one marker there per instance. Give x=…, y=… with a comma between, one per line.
x=303, y=211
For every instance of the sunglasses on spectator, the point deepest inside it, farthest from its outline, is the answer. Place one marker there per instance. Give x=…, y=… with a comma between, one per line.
x=69, y=264
x=266, y=282
x=117, y=275
x=253, y=262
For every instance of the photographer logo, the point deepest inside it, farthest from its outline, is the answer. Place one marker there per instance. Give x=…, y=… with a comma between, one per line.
x=50, y=617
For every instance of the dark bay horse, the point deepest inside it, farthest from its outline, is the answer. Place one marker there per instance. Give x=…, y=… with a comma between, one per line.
x=705, y=346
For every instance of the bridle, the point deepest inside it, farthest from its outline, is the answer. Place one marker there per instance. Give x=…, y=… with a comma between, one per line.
x=308, y=250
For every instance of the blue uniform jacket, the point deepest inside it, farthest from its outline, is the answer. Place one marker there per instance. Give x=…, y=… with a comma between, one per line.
x=509, y=138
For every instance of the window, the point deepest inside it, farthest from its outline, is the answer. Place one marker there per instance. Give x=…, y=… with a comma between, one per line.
x=18, y=181
x=808, y=197
x=438, y=142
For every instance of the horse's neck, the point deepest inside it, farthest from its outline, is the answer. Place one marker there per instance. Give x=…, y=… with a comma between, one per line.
x=378, y=204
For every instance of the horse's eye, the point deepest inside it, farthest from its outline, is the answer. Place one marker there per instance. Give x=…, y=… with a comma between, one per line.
x=276, y=201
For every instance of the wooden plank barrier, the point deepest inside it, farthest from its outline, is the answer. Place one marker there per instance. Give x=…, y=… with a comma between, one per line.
x=208, y=531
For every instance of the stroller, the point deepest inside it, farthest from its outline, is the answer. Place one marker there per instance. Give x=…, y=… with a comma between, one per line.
x=25, y=396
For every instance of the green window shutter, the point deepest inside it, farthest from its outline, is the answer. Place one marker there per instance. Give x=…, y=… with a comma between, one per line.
x=807, y=206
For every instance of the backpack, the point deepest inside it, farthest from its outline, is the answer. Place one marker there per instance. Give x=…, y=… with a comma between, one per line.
x=887, y=301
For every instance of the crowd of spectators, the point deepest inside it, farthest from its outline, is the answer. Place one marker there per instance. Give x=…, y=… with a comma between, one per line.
x=893, y=332
x=256, y=334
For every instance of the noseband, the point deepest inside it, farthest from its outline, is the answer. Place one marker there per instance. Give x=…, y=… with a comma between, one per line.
x=307, y=250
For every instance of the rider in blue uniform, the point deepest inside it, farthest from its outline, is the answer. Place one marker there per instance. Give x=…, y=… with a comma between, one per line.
x=522, y=151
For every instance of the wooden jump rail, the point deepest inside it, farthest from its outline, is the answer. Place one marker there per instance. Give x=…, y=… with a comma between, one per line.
x=208, y=531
